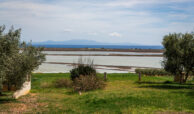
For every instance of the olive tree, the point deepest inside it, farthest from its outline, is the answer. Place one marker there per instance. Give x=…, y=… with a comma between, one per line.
x=17, y=60
x=179, y=55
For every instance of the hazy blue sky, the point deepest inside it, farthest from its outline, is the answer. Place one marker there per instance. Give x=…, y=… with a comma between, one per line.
x=112, y=21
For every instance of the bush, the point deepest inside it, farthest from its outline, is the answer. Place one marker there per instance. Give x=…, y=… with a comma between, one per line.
x=59, y=83
x=83, y=69
x=84, y=76
x=87, y=83
x=45, y=85
x=17, y=59
x=152, y=72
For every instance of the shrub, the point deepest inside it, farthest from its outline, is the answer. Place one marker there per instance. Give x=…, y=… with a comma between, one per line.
x=59, y=83
x=87, y=83
x=83, y=69
x=84, y=76
x=152, y=72
x=45, y=85
x=17, y=59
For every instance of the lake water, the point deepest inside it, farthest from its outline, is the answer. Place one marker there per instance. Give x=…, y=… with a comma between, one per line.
x=101, y=61
x=99, y=52
x=100, y=46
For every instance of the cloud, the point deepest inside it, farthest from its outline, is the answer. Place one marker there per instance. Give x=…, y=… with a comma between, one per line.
x=68, y=30
x=146, y=21
x=92, y=33
x=133, y=3
x=115, y=34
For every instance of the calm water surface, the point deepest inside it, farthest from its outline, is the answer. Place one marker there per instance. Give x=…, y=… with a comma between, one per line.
x=99, y=52
x=133, y=61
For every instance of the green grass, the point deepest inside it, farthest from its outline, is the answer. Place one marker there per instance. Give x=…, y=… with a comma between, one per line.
x=123, y=94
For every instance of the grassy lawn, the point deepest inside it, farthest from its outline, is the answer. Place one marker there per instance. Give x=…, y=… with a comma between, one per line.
x=123, y=94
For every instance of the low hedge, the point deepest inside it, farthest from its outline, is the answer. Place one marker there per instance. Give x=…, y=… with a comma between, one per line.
x=152, y=72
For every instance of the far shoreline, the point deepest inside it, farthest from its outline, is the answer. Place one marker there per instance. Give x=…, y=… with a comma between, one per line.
x=103, y=49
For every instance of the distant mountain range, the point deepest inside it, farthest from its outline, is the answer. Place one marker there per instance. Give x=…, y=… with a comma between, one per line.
x=78, y=42
x=92, y=44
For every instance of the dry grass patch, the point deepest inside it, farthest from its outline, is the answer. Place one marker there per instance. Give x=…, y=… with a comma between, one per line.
x=25, y=104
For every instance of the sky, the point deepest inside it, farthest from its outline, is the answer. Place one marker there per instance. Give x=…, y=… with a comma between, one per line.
x=110, y=21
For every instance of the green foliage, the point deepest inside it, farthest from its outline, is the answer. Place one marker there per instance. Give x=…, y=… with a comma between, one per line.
x=87, y=83
x=17, y=60
x=179, y=54
x=83, y=69
x=152, y=72
x=84, y=76
x=59, y=83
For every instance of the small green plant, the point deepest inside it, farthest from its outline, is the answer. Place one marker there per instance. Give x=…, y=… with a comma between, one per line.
x=59, y=83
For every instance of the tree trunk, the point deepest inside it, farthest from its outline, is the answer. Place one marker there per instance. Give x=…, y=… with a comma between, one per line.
x=80, y=93
x=139, y=77
x=9, y=87
x=105, y=76
x=181, y=79
x=28, y=77
x=186, y=76
x=176, y=78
